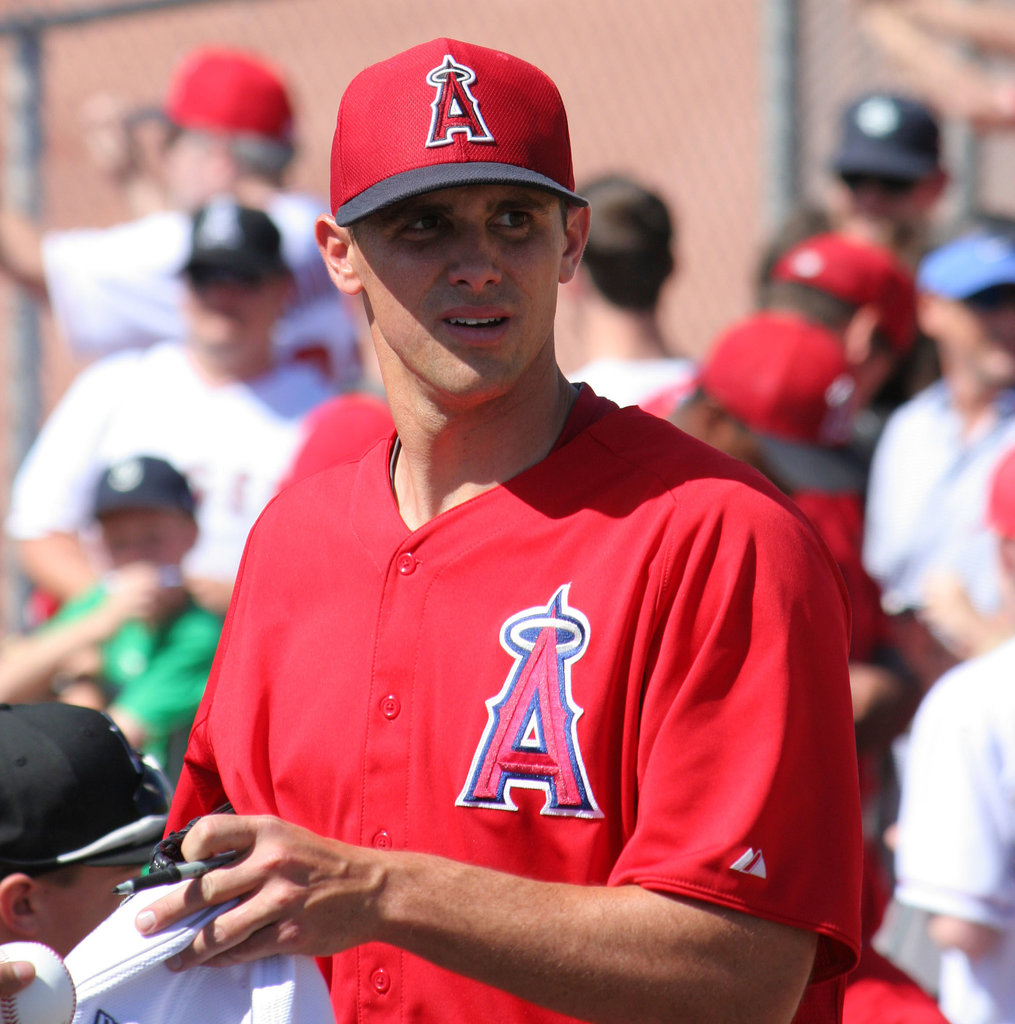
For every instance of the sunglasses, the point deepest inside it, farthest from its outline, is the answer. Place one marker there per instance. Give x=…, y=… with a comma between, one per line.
x=881, y=182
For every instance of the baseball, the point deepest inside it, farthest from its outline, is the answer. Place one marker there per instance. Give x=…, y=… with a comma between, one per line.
x=50, y=998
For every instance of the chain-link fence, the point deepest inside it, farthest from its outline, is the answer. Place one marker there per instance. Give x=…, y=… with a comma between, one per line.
x=689, y=96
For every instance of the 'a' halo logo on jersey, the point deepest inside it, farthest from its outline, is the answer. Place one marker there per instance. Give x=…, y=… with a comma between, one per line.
x=531, y=737
x=455, y=109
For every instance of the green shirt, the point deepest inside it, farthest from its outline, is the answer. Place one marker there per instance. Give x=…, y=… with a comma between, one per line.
x=156, y=674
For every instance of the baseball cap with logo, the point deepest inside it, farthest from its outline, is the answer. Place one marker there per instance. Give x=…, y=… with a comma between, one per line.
x=890, y=136
x=860, y=273
x=229, y=241
x=970, y=264
x=73, y=792
x=782, y=376
x=218, y=89
x=142, y=481
x=442, y=114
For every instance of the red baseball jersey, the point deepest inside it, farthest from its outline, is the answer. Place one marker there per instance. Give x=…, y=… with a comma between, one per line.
x=626, y=665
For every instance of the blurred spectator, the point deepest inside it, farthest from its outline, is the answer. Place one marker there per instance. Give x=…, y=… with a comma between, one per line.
x=81, y=812
x=217, y=405
x=617, y=291
x=777, y=391
x=928, y=484
x=136, y=644
x=929, y=39
x=888, y=181
x=228, y=130
x=956, y=835
x=864, y=295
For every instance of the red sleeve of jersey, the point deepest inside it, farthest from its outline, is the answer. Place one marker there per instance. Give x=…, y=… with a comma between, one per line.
x=746, y=727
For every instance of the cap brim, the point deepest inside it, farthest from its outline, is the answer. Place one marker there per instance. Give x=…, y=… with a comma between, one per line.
x=235, y=262
x=421, y=180
x=876, y=160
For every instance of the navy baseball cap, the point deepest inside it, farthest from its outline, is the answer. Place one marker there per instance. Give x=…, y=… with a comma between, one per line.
x=968, y=265
x=72, y=791
x=142, y=481
x=890, y=136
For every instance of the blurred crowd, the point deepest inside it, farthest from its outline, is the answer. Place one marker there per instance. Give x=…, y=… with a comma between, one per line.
x=874, y=383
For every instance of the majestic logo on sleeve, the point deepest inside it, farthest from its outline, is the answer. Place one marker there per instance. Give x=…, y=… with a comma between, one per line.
x=454, y=108
x=531, y=739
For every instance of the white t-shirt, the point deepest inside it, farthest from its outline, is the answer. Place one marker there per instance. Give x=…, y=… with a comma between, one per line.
x=120, y=287
x=121, y=978
x=232, y=441
x=956, y=849
x=630, y=381
x=926, y=499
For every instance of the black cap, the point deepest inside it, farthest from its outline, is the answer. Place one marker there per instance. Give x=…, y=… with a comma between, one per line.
x=890, y=136
x=232, y=241
x=73, y=792
x=142, y=481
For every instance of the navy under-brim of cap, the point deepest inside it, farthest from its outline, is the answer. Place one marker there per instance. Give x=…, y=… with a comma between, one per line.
x=967, y=266
x=879, y=160
x=420, y=180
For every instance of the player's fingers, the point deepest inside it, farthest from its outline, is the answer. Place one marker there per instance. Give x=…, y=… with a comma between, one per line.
x=15, y=975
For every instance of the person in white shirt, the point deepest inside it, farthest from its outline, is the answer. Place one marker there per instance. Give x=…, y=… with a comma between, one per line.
x=218, y=405
x=229, y=130
x=956, y=837
x=929, y=473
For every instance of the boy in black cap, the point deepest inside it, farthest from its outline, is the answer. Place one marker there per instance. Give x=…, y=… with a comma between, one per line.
x=79, y=812
x=136, y=643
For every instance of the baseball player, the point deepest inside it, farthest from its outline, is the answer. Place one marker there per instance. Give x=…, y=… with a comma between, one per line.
x=528, y=701
x=956, y=823
x=231, y=131
x=217, y=405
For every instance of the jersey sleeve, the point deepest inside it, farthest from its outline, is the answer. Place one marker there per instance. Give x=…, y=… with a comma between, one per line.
x=955, y=818
x=748, y=783
x=52, y=490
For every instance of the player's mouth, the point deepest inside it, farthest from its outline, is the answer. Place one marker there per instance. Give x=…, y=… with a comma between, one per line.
x=475, y=321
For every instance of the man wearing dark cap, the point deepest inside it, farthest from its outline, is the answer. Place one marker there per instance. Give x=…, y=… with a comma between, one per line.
x=79, y=812
x=216, y=404
x=519, y=711
x=136, y=644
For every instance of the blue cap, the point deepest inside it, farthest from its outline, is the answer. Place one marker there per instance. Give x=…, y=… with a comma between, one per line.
x=891, y=136
x=968, y=265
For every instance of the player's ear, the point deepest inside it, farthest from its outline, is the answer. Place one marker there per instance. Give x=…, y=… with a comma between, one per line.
x=19, y=916
x=335, y=242
x=576, y=234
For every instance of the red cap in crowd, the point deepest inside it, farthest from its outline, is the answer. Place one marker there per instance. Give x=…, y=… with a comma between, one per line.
x=782, y=376
x=860, y=273
x=230, y=91
x=1001, y=499
x=444, y=114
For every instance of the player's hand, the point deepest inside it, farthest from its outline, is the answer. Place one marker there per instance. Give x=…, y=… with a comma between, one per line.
x=299, y=892
x=136, y=591
x=15, y=976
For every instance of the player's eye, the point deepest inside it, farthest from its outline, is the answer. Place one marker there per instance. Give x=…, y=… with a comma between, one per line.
x=514, y=218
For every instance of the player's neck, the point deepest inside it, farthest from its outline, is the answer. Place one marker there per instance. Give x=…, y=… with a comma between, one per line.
x=611, y=333
x=445, y=460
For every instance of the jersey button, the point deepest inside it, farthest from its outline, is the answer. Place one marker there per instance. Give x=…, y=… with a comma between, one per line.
x=382, y=840
x=380, y=980
x=406, y=564
x=390, y=706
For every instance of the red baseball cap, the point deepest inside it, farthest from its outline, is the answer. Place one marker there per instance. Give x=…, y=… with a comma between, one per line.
x=782, y=376
x=858, y=272
x=1001, y=499
x=443, y=114
x=230, y=91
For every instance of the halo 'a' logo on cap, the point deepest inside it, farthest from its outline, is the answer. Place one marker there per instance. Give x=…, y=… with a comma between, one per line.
x=807, y=263
x=877, y=117
x=454, y=107
x=125, y=476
